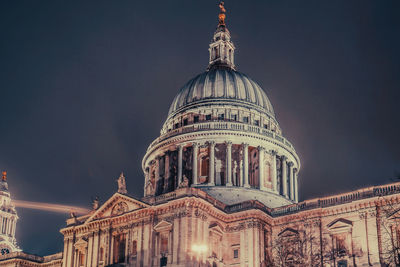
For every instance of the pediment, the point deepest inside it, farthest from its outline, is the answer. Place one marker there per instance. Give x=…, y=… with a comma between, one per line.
x=117, y=205
x=81, y=244
x=216, y=228
x=163, y=226
x=395, y=215
x=288, y=232
x=340, y=224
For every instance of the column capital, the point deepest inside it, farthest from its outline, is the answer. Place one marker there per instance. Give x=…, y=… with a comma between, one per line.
x=211, y=143
x=179, y=146
x=194, y=144
x=295, y=170
x=228, y=143
x=261, y=148
x=291, y=164
x=284, y=158
x=273, y=152
x=245, y=144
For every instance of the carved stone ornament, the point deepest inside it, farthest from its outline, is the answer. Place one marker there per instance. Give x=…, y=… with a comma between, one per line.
x=185, y=182
x=149, y=188
x=119, y=208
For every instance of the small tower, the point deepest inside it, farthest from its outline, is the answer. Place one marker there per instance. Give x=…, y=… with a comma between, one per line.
x=8, y=219
x=221, y=48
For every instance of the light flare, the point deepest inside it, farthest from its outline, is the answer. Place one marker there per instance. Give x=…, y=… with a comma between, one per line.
x=50, y=207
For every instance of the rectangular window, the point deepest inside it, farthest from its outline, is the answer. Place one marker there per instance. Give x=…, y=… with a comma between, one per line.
x=234, y=117
x=176, y=125
x=221, y=116
x=266, y=126
x=257, y=123
x=185, y=121
x=196, y=119
x=208, y=117
x=164, y=243
x=246, y=119
x=236, y=253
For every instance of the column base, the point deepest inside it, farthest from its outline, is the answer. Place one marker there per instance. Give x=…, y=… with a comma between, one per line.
x=247, y=186
x=229, y=184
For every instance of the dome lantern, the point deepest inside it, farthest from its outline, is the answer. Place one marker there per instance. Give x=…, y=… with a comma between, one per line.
x=221, y=48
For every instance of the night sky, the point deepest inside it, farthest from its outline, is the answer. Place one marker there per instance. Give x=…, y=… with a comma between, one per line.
x=86, y=86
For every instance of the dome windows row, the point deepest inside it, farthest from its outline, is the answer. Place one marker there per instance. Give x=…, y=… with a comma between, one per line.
x=227, y=114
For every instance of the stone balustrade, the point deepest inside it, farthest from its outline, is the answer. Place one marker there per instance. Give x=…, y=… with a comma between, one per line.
x=370, y=192
x=218, y=125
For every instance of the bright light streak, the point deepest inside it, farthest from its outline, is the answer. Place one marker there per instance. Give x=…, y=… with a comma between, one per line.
x=199, y=248
x=49, y=207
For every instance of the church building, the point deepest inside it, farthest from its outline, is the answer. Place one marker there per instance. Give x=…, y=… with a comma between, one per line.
x=221, y=189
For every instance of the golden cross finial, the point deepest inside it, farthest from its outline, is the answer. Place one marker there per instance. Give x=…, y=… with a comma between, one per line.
x=221, y=6
x=221, y=15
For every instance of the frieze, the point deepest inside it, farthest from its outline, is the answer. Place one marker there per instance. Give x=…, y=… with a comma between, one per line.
x=200, y=214
x=244, y=225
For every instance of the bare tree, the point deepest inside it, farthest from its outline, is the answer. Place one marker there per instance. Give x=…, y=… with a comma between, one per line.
x=297, y=248
x=388, y=221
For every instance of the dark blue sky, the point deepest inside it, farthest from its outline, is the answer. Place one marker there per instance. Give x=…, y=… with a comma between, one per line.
x=86, y=86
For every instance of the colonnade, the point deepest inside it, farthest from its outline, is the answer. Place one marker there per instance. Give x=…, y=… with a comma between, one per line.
x=7, y=226
x=285, y=184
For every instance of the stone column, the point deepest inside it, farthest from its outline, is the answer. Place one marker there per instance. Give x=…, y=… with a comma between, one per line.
x=229, y=163
x=284, y=176
x=166, y=172
x=261, y=168
x=296, y=184
x=246, y=165
x=146, y=179
x=211, y=169
x=180, y=152
x=291, y=182
x=157, y=177
x=194, y=167
x=273, y=171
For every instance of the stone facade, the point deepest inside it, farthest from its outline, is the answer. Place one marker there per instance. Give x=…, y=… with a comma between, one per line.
x=358, y=228
x=221, y=189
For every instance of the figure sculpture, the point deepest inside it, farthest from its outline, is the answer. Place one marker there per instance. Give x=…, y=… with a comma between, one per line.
x=122, y=184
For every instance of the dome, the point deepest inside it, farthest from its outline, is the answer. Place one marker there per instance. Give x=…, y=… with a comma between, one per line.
x=221, y=136
x=222, y=85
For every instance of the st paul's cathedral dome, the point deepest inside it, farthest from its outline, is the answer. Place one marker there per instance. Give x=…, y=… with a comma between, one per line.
x=221, y=136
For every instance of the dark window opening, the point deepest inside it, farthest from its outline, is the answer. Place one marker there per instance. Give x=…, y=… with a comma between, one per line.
x=246, y=119
x=196, y=119
x=257, y=122
x=234, y=117
x=208, y=117
x=221, y=116
x=235, y=253
x=266, y=126
x=176, y=125
x=185, y=122
x=119, y=248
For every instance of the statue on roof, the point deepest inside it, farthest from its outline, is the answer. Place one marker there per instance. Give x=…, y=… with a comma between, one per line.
x=122, y=184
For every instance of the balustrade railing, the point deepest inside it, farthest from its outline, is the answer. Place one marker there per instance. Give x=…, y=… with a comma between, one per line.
x=375, y=191
x=218, y=125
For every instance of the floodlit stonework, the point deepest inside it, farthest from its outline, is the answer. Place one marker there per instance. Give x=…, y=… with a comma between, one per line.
x=221, y=189
x=8, y=219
